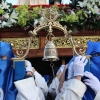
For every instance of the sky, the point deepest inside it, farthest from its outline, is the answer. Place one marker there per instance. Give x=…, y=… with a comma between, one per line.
x=14, y=2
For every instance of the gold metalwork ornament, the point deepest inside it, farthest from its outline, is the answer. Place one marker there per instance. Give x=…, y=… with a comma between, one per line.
x=17, y=42
x=64, y=42
x=20, y=55
x=50, y=23
x=60, y=42
x=50, y=15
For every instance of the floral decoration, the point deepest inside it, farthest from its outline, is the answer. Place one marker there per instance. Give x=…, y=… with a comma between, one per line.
x=29, y=17
x=78, y=15
x=82, y=15
x=8, y=15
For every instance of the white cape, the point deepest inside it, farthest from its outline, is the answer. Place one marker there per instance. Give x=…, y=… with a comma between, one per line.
x=27, y=90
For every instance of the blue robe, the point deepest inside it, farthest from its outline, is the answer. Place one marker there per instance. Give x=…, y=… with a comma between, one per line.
x=6, y=72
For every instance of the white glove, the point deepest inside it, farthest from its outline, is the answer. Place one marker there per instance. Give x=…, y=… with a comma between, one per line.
x=92, y=82
x=79, y=64
x=60, y=69
x=29, y=66
x=29, y=69
x=70, y=71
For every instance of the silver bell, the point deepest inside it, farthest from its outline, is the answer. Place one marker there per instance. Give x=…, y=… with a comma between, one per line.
x=50, y=52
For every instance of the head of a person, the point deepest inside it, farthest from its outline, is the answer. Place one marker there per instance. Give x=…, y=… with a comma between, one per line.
x=6, y=53
x=93, y=49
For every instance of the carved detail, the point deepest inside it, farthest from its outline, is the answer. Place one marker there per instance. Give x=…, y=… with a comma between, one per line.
x=60, y=42
x=17, y=42
x=64, y=42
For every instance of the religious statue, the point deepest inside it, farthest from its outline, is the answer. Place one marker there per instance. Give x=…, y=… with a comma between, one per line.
x=37, y=2
x=32, y=2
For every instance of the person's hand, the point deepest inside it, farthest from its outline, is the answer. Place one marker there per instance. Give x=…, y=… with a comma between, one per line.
x=30, y=69
x=29, y=66
x=70, y=71
x=79, y=64
x=29, y=73
x=92, y=82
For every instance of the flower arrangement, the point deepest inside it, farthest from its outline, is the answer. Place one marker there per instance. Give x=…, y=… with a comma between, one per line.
x=28, y=17
x=8, y=15
x=79, y=15
x=83, y=15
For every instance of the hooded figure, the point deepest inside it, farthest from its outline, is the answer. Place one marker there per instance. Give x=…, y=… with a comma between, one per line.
x=93, y=50
x=6, y=72
x=93, y=66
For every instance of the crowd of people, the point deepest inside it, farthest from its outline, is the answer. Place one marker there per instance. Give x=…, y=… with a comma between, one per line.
x=80, y=84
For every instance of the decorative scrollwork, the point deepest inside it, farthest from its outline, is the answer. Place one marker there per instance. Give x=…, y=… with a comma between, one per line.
x=78, y=42
x=17, y=42
x=20, y=45
x=50, y=15
x=64, y=42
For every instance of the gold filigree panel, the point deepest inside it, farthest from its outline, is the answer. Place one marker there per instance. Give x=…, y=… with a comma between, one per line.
x=64, y=42
x=60, y=42
x=17, y=42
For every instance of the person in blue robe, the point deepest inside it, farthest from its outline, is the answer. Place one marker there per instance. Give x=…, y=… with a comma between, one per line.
x=93, y=66
x=8, y=90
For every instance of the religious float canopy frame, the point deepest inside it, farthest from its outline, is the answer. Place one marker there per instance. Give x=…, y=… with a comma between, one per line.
x=50, y=15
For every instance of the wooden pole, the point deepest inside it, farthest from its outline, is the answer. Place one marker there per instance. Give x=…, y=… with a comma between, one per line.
x=63, y=60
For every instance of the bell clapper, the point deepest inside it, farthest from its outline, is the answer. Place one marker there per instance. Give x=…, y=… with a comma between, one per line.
x=52, y=65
